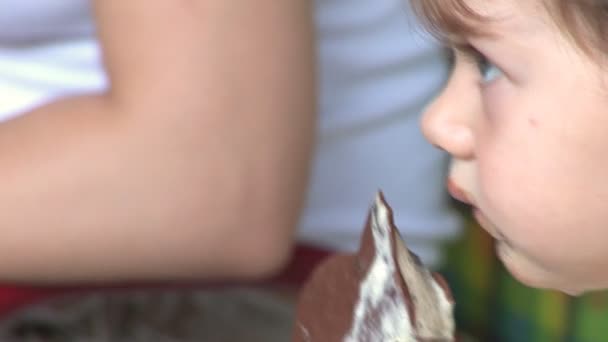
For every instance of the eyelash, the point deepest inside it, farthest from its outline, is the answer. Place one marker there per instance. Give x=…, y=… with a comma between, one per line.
x=473, y=55
x=482, y=63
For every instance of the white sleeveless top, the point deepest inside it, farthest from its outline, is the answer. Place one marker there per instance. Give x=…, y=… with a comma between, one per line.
x=376, y=74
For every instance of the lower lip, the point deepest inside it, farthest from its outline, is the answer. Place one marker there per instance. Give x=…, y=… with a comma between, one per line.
x=483, y=222
x=456, y=192
x=502, y=249
x=480, y=218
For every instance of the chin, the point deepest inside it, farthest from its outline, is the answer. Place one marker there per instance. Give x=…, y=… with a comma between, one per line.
x=521, y=269
x=526, y=279
x=573, y=293
x=541, y=279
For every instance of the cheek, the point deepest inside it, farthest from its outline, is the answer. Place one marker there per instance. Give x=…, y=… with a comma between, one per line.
x=537, y=194
x=510, y=196
x=522, y=193
x=541, y=174
x=496, y=100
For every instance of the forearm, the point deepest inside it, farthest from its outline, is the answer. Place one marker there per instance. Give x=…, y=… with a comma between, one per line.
x=193, y=166
x=88, y=196
x=82, y=197
x=60, y=168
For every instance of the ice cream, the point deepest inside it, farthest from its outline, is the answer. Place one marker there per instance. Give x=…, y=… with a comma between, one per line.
x=380, y=293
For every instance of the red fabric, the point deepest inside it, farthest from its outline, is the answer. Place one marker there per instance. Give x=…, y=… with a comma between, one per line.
x=303, y=262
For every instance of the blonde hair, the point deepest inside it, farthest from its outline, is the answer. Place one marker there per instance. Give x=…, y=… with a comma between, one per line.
x=583, y=21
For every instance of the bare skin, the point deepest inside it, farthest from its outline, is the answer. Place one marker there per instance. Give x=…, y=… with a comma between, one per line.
x=193, y=164
x=528, y=145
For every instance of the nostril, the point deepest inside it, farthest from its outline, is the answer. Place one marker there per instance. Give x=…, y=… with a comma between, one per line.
x=432, y=134
x=447, y=131
x=457, y=140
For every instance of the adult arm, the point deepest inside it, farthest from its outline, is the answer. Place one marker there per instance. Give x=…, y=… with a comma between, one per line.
x=192, y=164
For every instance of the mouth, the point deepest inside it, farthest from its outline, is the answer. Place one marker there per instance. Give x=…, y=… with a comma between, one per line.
x=490, y=228
x=462, y=196
x=457, y=192
x=504, y=248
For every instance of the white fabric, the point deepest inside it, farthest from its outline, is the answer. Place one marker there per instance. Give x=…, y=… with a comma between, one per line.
x=376, y=75
x=47, y=50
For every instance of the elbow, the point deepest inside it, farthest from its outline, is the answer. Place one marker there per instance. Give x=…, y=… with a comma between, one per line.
x=265, y=243
x=263, y=230
x=263, y=259
x=266, y=229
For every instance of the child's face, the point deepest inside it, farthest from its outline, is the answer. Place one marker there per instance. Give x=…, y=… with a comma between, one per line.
x=528, y=131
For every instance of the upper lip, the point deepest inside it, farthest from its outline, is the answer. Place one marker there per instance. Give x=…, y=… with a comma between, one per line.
x=457, y=192
x=461, y=195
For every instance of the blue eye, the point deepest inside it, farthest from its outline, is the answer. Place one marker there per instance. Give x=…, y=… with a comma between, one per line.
x=488, y=71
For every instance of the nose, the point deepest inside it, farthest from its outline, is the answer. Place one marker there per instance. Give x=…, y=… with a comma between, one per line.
x=447, y=123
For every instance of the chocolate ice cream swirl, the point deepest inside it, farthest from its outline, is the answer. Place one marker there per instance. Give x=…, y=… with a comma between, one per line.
x=381, y=293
